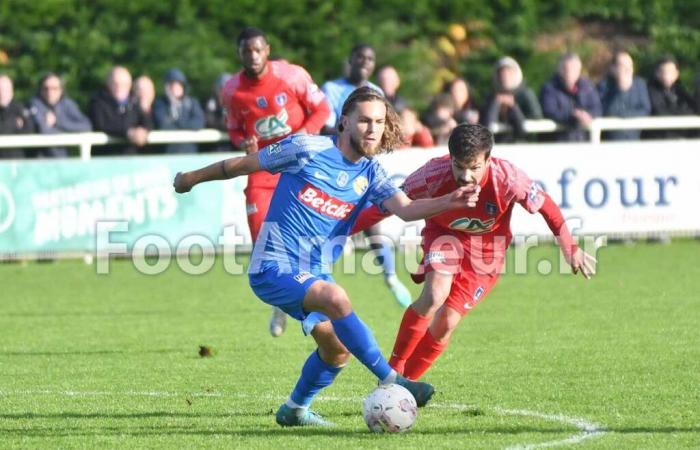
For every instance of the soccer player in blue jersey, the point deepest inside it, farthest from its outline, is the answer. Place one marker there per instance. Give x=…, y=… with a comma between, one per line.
x=361, y=66
x=324, y=185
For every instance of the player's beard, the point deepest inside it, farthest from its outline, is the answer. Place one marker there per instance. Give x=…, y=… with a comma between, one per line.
x=363, y=149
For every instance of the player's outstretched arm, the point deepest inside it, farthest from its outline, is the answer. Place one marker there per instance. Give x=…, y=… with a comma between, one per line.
x=408, y=210
x=579, y=260
x=222, y=170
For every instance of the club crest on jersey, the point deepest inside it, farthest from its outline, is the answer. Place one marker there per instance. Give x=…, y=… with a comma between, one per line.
x=478, y=293
x=342, y=179
x=534, y=191
x=469, y=225
x=281, y=99
x=360, y=185
x=323, y=203
x=273, y=149
x=491, y=209
x=261, y=102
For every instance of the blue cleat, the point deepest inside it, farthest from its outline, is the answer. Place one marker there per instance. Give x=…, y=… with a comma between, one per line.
x=400, y=292
x=421, y=391
x=300, y=417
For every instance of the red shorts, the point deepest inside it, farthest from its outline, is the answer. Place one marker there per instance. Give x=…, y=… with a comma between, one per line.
x=473, y=276
x=257, y=202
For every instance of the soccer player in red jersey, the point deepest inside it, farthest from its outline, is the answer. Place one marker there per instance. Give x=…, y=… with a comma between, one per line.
x=464, y=249
x=265, y=102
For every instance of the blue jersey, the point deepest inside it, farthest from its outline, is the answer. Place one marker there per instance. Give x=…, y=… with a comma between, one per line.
x=337, y=91
x=316, y=202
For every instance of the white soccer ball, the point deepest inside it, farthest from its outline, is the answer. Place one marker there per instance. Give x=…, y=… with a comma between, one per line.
x=390, y=408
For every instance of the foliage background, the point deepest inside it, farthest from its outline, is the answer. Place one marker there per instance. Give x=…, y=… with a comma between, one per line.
x=428, y=40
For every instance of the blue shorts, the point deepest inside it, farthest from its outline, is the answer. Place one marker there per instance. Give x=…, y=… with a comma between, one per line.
x=286, y=290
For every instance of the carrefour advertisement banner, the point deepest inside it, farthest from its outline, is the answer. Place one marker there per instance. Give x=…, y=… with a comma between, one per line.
x=57, y=205
x=620, y=188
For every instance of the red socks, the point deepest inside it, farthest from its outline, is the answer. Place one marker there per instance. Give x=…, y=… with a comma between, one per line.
x=413, y=328
x=423, y=357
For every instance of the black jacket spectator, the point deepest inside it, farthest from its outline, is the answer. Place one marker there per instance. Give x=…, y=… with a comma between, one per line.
x=116, y=119
x=14, y=118
x=674, y=101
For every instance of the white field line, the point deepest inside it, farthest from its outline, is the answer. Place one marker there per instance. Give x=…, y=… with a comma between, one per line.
x=587, y=429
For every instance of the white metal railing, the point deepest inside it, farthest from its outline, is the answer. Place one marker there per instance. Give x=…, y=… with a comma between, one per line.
x=85, y=141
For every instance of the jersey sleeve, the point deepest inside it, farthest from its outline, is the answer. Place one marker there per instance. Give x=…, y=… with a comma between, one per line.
x=283, y=156
x=381, y=187
x=416, y=186
x=522, y=189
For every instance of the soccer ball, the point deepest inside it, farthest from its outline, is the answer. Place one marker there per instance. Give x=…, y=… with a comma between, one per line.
x=390, y=408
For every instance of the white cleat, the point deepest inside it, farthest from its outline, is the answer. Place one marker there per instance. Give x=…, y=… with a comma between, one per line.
x=278, y=322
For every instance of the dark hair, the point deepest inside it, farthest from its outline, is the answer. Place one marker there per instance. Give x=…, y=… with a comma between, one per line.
x=467, y=141
x=250, y=33
x=393, y=136
x=48, y=75
x=359, y=47
x=665, y=59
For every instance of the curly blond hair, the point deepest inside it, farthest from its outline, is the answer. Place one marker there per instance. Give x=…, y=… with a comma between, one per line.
x=393, y=135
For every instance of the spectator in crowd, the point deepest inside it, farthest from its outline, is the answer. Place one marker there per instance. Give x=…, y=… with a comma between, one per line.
x=145, y=94
x=14, y=118
x=215, y=114
x=360, y=68
x=439, y=118
x=570, y=99
x=623, y=94
x=116, y=112
x=177, y=111
x=389, y=81
x=511, y=102
x=669, y=97
x=415, y=133
x=54, y=112
x=465, y=108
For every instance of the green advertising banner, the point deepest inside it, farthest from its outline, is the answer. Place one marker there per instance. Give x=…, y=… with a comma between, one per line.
x=54, y=206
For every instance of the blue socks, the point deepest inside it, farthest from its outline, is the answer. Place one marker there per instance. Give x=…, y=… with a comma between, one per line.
x=315, y=375
x=358, y=339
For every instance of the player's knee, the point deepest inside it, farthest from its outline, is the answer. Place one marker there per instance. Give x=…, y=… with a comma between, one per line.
x=433, y=297
x=337, y=302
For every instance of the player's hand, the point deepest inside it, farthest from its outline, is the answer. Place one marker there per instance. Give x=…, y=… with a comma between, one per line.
x=468, y=195
x=182, y=183
x=250, y=145
x=584, y=263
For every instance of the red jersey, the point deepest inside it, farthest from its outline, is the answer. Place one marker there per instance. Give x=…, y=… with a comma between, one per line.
x=280, y=103
x=486, y=227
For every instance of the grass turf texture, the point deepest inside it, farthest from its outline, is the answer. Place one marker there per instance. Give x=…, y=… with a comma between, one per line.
x=112, y=361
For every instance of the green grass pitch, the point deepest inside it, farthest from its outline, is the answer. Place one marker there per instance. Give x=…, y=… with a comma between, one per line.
x=112, y=361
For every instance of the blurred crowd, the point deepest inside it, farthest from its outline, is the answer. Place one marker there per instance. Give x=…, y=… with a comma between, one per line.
x=130, y=108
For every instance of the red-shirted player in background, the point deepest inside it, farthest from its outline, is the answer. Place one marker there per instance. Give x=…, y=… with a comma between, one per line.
x=265, y=102
x=464, y=250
